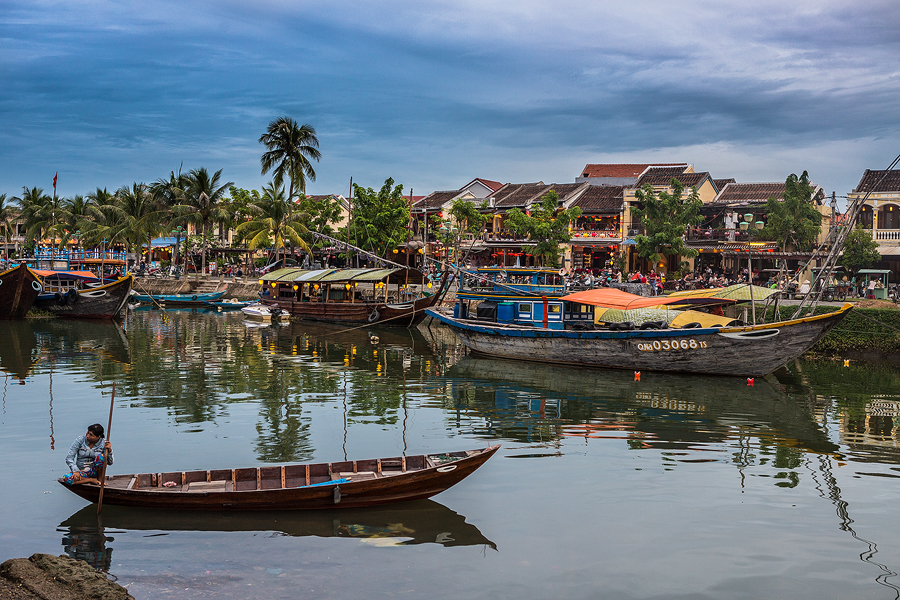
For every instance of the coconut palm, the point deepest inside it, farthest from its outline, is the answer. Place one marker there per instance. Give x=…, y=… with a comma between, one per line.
x=8, y=214
x=202, y=203
x=40, y=212
x=290, y=149
x=275, y=221
x=141, y=215
x=102, y=197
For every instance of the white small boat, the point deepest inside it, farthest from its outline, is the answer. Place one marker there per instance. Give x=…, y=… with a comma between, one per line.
x=261, y=311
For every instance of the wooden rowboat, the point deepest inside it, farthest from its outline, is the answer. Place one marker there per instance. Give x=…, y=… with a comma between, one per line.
x=346, y=484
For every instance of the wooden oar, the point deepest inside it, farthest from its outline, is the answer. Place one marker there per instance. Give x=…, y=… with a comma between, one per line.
x=105, y=455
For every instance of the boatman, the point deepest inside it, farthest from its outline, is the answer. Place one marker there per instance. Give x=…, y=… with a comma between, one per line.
x=87, y=455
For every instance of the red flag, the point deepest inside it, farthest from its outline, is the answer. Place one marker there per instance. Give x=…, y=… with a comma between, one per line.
x=54, y=179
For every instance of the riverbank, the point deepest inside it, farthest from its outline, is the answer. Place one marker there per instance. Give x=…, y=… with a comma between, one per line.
x=48, y=577
x=240, y=288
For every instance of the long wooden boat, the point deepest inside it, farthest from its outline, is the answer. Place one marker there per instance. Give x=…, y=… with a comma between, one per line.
x=101, y=302
x=19, y=288
x=749, y=351
x=178, y=299
x=352, y=296
x=347, y=484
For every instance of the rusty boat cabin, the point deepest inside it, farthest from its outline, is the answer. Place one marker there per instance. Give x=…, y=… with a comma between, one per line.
x=363, y=286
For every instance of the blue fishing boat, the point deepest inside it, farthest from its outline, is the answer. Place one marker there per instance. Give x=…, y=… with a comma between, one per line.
x=178, y=299
x=574, y=330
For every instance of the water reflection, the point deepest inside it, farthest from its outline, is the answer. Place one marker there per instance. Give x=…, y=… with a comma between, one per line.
x=19, y=349
x=409, y=523
x=542, y=403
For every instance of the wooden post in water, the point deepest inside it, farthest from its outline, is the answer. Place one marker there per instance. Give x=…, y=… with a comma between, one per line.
x=105, y=455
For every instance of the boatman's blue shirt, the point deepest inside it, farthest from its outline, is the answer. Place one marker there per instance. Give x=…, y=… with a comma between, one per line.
x=81, y=455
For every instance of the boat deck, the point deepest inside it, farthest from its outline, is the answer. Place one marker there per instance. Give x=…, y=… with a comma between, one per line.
x=280, y=477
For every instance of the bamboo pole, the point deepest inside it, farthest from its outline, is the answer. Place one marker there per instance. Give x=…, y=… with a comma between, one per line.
x=106, y=456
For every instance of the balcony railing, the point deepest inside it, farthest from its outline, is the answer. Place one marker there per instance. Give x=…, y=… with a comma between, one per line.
x=715, y=235
x=885, y=235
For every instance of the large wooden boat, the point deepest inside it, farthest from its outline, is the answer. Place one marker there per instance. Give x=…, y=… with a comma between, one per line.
x=67, y=295
x=710, y=348
x=346, y=484
x=396, y=297
x=19, y=287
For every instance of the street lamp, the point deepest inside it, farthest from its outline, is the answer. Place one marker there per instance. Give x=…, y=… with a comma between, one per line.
x=749, y=225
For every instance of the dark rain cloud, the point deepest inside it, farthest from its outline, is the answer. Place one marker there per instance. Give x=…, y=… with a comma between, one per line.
x=434, y=94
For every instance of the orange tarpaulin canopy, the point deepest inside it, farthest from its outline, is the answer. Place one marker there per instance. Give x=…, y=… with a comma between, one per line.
x=614, y=298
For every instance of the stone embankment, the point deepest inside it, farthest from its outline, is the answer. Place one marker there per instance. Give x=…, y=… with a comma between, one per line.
x=48, y=577
x=240, y=288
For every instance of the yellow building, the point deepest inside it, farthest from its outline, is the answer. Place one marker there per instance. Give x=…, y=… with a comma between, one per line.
x=881, y=214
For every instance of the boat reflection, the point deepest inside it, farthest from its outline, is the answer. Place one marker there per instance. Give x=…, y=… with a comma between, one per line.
x=408, y=523
x=63, y=339
x=19, y=349
x=532, y=402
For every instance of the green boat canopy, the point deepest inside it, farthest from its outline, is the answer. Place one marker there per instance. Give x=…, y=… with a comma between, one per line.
x=293, y=275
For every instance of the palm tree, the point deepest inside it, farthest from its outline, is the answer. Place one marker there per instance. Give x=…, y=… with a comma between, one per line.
x=202, y=197
x=275, y=221
x=102, y=197
x=141, y=216
x=40, y=212
x=75, y=211
x=8, y=214
x=290, y=149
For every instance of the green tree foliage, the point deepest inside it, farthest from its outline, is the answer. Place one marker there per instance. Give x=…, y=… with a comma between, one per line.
x=276, y=221
x=380, y=219
x=794, y=221
x=289, y=149
x=545, y=225
x=140, y=215
x=860, y=250
x=202, y=204
x=665, y=218
x=319, y=214
x=8, y=215
x=466, y=216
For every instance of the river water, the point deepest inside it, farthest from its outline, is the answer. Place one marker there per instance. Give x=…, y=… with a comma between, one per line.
x=605, y=487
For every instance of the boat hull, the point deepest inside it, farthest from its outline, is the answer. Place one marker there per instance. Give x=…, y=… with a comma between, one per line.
x=407, y=314
x=387, y=487
x=179, y=299
x=743, y=351
x=102, y=302
x=19, y=288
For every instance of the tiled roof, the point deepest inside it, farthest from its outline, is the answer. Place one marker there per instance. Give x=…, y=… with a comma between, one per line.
x=435, y=200
x=758, y=193
x=670, y=171
x=494, y=185
x=737, y=193
x=870, y=183
x=601, y=199
x=563, y=190
x=721, y=183
x=518, y=194
x=688, y=179
x=622, y=170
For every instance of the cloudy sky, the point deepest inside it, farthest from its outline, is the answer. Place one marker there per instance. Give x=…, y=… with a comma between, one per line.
x=434, y=94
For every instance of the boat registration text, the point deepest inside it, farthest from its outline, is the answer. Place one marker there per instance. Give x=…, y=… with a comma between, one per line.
x=663, y=345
